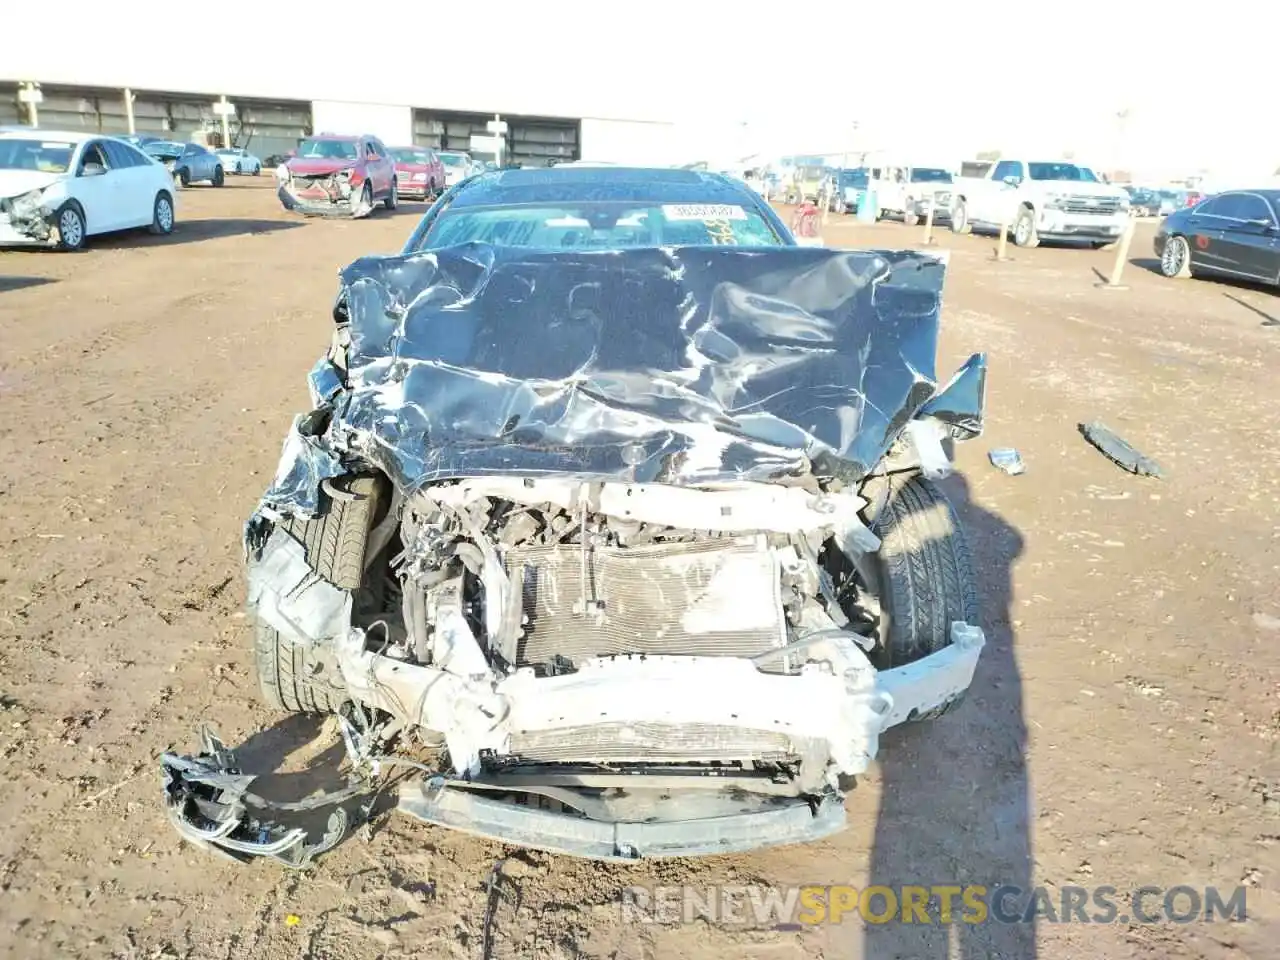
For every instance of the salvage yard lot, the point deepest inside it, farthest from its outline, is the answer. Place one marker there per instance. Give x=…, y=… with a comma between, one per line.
x=1122, y=729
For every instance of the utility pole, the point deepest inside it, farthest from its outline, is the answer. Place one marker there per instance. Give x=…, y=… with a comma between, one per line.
x=31, y=95
x=1122, y=120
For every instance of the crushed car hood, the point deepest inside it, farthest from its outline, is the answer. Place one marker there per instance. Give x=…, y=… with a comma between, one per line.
x=14, y=183
x=685, y=365
x=317, y=168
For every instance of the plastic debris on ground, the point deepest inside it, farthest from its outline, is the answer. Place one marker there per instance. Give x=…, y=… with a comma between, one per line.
x=1008, y=460
x=1119, y=451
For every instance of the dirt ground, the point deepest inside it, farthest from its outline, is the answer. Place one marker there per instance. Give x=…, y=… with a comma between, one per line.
x=1122, y=729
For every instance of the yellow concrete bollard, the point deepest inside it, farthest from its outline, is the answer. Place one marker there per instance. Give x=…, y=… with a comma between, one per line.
x=1002, y=243
x=1122, y=257
x=928, y=225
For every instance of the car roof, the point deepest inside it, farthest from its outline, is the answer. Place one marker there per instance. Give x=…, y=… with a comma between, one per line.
x=71, y=136
x=570, y=183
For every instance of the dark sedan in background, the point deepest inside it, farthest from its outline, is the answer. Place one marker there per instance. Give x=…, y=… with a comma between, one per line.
x=1233, y=234
x=1143, y=202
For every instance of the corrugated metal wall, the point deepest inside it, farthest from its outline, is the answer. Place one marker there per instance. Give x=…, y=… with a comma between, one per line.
x=263, y=126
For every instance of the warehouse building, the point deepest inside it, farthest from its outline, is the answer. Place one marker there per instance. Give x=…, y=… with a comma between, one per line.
x=268, y=124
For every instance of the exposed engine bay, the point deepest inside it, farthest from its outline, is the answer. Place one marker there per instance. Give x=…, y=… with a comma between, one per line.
x=631, y=612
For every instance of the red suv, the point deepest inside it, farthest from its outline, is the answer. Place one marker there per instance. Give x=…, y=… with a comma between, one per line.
x=419, y=172
x=331, y=175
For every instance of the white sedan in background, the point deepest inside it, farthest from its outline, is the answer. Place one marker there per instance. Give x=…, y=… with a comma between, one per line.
x=239, y=160
x=59, y=188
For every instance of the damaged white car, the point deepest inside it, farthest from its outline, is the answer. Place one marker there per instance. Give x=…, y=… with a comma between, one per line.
x=57, y=189
x=642, y=546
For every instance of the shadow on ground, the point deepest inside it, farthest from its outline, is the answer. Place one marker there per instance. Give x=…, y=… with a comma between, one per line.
x=1268, y=319
x=192, y=231
x=955, y=799
x=20, y=283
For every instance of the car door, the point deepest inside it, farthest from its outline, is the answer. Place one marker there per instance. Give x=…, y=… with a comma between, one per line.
x=95, y=191
x=1002, y=198
x=1248, y=236
x=208, y=161
x=191, y=160
x=135, y=201
x=1203, y=231
x=379, y=170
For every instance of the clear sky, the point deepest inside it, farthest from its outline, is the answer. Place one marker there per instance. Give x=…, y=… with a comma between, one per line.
x=1198, y=81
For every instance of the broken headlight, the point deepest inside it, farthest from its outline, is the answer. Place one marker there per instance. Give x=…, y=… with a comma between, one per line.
x=26, y=204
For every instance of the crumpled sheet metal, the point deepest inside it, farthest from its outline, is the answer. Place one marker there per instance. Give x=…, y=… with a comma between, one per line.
x=681, y=365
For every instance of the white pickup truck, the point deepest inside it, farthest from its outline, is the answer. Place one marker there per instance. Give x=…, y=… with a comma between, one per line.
x=1040, y=200
x=909, y=192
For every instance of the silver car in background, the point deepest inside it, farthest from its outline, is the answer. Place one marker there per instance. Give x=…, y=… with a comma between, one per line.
x=238, y=160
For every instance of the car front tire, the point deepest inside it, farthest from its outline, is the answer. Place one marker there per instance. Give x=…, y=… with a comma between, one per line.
x=162, y=217
x=72, y=230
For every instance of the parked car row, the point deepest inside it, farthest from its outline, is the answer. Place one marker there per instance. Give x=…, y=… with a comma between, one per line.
x=336, y=175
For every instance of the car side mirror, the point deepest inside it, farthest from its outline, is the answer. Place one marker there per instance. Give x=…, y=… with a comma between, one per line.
x=1012, y=180
x=1263, y=226
x=93, y=170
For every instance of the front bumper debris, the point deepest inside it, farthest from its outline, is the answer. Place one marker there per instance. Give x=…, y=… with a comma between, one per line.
x=208, y=801
x=330, y=196
x=25, y=222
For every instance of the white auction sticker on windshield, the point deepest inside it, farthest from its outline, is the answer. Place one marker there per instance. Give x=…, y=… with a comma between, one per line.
x=703, y=211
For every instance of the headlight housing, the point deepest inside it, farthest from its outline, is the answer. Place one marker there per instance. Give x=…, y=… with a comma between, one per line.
x=28, y=203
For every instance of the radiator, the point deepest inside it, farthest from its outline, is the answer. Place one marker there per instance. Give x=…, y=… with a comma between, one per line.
x=711, y=598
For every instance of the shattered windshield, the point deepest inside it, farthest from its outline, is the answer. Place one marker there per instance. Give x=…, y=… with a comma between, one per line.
x=47, y=156
x=603, y=225
x=327, y=150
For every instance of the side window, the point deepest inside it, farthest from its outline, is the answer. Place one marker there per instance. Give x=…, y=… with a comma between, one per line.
x=1007, y=168
x=370, y=150
x=117, y=154
x=1252, y=207
x=93, y=154
x=1210, y=208
x=1230, y=205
